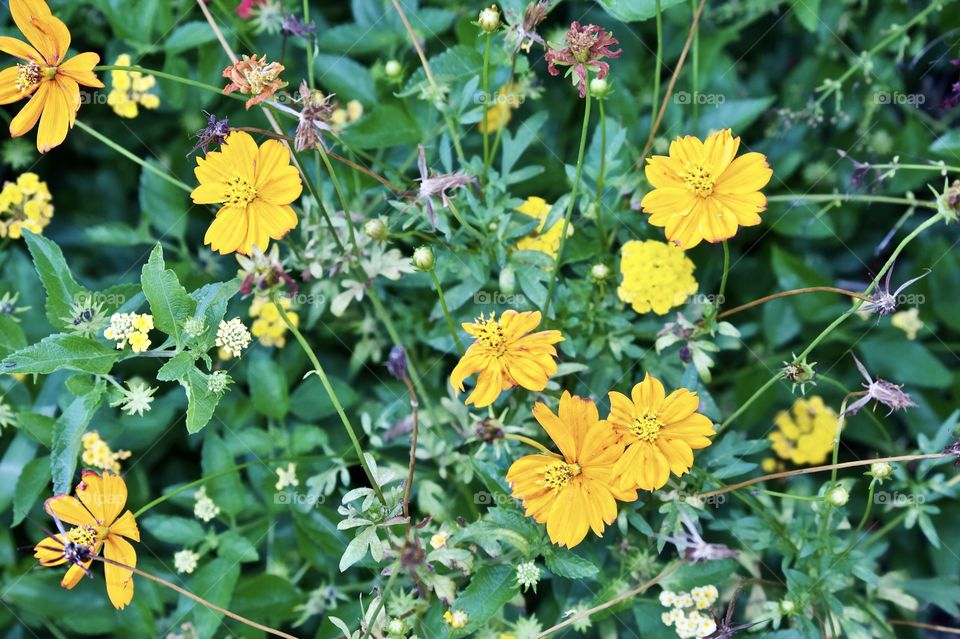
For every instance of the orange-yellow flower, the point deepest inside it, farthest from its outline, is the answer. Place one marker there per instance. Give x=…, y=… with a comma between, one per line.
x=256, y=187
x=51, y=82
x=506, y=354
x=576, y=492
x=97, y=524
x=660, y=433
x=702, y=193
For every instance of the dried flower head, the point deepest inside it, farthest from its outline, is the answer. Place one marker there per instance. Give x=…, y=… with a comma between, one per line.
x=692, y=546
x=432, y=186
x=523, y=33
x=262, y=272
x=585, y=50
x=254, y=77
x=316, y=112
x=397, y=363
x=799, y=373
x=882, y=301
x=214, y=134
x=291, y=25
x=881, y=391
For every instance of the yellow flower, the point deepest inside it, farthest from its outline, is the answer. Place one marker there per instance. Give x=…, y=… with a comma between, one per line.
x=256, y=187
x=544, y=241
x=500, y=112
x=25, y=204
x=576, y=492
x=506, y=354
x=51, y=82
x=132, y=328
x=455, y=618
x=97, y=524
x=268, y=327
x=805, y=433
x=97, y=453
x=656, y=276
x=130, y=89
x=909, y=322
x=660, y=433
x=702, y=193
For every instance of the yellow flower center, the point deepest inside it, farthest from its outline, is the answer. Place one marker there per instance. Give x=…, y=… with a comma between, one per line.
x=646, y=427
x=491, y=335
x=240, y=192
x=699, y=180
x=28, y=75
x=83, y=536
x=558, y=475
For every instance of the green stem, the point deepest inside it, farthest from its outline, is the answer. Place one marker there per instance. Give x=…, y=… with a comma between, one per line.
x=446, y=312
x=695, y=54
x=745, y=405
x=343, y=200
x=774, y=493
x=485, y=87
x=726, y=272
x=383, y=598
x=573, y=200
x=841, y=197
x=384, y=317
x=133, y=158
x=656, y=68
x=173, y=78
x=863, y=520
x=598, y=202
x=332, y=395
x=463, y=222
x=306, y=20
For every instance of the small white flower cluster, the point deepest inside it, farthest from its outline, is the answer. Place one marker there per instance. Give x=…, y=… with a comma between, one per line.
x=185, y=561
x=233, y=337
x=204, y=508
x=685, y=615
x=287, y=476
x=130, y=327
x=528, y=575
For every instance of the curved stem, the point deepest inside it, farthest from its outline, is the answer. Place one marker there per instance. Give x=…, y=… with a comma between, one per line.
x=863, y=520
x=485, y=87
x=598, y=202
x=774, y=493
x=173, y=78
x=446, y=313
x=657, y=67
x=473, y=231
x=343, y=199
x=726, y=273
x=380, y=604
x=198, y=599
x=133, y=158
x=531, y=442
x=573, y=199
x=795, y=291
x=332, y=394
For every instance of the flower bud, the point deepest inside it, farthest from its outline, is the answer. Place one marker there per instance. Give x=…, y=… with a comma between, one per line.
x=376, y=229
x=508, y=281
x=489, y=20
x=599, y=88
x=599, y=271
x=393, y=69
x=881, y=470
x=838, y=496
x=787, y=607
x=423, y=258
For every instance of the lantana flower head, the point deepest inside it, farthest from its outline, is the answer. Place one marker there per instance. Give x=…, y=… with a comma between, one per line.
x=24, y=204
x=656, y=276
x=804, y=434
x=254, y=77
x=586, y=47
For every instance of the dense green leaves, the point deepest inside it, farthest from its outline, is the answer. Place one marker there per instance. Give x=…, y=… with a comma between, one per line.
x=67, y=432
x=63, y=351
x=62, y=289
x=169, y=302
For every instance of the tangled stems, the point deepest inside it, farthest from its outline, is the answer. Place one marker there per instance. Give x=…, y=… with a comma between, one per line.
x=133, y=158
x=446, y=312
x=318, y=369
x=486, y=109
x=573, y=199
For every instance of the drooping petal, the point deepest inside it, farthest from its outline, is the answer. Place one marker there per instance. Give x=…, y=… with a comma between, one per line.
x=119, y=580
x=28, y=16
x=55, y=120
x=20, y=49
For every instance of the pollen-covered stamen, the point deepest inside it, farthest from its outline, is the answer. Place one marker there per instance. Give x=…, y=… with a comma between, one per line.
x=240, y=192
x=699, y=180
x=83, y=536
x=491, y=335
x=646, y=427
x=28, y=76
x=558, y=475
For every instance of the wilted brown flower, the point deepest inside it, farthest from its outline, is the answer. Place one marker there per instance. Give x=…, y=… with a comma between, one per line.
x=434, y=186
x=315, y=113
x=881, y=391
x=524, y=33
x=585, y=50
x=254, y=77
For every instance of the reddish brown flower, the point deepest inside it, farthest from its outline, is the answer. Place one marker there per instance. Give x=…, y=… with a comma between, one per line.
x=585, y=50
x=255, y=77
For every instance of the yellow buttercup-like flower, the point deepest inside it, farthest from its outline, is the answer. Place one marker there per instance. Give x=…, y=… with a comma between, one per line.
x=660, y=433
x=131, y=90
x=506, y=354
x=805, y=433
x=656, y=276
x=546, y=241
x=24, y=204
x=701, y=192
x=255, y=186
x=268, y=327
x=97, y=524
x=45, y=75
x=575, y=492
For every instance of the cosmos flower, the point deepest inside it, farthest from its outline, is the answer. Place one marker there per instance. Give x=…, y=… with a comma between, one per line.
x=585, y=50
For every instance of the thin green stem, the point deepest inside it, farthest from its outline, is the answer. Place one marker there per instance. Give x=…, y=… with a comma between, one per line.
x=843, y=197
x=133, y=158
x=306, y=20
x=726, y=273
x=463, y=222
x=446, y=312
x=485, y=87
x=531, y=442
x=657, y=66
x=383, y=598
x=863, y=520
x=343, y=199
x=332, y=394
x=695, y=54
x=598, y=202
x=774, y=493
x=173, y=78
x=573, y=199
x=742, y=408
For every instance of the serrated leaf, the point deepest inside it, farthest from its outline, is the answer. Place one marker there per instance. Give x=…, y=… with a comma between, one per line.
x=489, y=590
x=178, y=367
x=62, y=289
x=62, y=351
x=169, y=302
x=201, y=403
x=566, y=563
x=67, y=432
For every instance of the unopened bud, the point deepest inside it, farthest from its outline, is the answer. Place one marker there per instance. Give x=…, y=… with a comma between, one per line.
x=489, y=20
x=599, y=271
x=508, y=281
x=787, y=607
x=393, y=69
x=423, y=258
x=599, y=87
x=881, y=470
x=376, y=229
x=838, y=496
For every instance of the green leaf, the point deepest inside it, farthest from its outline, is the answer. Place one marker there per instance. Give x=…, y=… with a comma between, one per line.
x=189, y=35
x=180, y=366
x=268, y=386
x=808, y=13
x=489, y=590
x=212, y=300
x=201, y=403
x=12, y=337
x=57, y=279
x=215, y=582
x=30, y=483
x=163, y=204
x=387, y=125
x=227, y=489
x=62, y=351
x=169, y=302
x=948, y=144
x=732, y=114
x=566, y=563
x=347, y=78
x=792, y=272
x=18, y=453
x=635, y=10
x=237, y=548
x=267, y=598
x=902, y=361
x=66, y=436
x=688, y=576
x=174, y=530
x=310, y=401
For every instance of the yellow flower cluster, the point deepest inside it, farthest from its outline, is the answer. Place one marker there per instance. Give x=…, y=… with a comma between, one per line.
x=130, y=327
x=98, y=454
x=456, y=619
x=805, y=433
x=546, y=241
x=343, y=116
x=131, y=90
x=909, y=322
x=656, y=276
x=268, y=327
x=25, y=203
x=500, y=112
